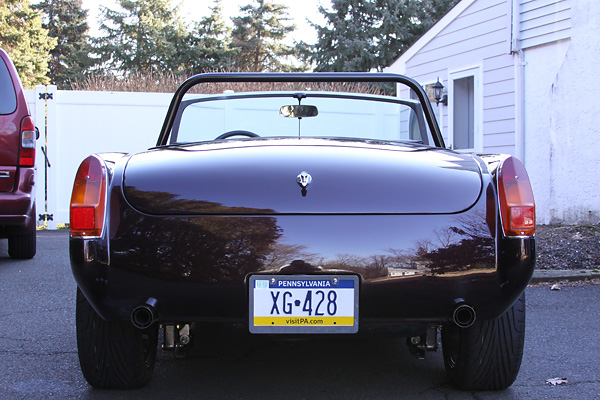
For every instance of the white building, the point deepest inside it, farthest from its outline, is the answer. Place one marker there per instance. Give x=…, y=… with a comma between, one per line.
x=520, y=78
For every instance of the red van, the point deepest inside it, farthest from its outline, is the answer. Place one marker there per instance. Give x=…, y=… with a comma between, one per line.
x=17, y=164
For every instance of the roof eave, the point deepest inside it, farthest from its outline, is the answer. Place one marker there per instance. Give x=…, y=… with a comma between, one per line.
x=399, y=65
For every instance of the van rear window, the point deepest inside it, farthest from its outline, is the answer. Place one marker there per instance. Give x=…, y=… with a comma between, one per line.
x=8, y=97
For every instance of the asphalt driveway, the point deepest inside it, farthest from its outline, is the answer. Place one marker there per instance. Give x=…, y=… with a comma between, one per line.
x=38, y=352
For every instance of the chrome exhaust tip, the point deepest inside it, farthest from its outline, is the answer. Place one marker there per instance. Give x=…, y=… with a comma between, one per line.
x=463, y=315
x=144, y=315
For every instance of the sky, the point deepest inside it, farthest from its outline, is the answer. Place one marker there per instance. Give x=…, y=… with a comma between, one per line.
x=194, y=10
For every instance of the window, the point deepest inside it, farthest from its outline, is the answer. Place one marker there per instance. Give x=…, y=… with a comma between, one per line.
x=339, y=115
x=8, y=98
x=464, y=114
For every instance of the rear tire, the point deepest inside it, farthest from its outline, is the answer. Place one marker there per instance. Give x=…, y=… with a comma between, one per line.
x=487, y=355
x=113, y=355
x=22, y=246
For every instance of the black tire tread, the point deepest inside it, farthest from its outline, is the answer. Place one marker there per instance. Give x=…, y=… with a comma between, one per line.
x=22, y=247
x=111, y=353
x=490, y=352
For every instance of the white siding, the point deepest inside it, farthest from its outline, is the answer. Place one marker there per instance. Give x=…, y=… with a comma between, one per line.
x=479, y=35
x=544, y=21
x=533, y=102
x=481, y=31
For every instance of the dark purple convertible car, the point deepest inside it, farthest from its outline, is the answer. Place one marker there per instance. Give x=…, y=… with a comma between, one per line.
x=320, y=204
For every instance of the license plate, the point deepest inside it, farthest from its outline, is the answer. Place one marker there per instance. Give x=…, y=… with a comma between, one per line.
x=303, y=304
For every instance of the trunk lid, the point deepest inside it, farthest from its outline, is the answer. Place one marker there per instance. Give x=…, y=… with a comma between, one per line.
x=260, y=177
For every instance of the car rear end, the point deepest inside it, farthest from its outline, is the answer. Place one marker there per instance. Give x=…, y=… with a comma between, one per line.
x=419, y=231
x=17, y=168
x=302, y=234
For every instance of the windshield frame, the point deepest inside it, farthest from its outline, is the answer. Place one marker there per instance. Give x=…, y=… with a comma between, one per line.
x=178, y=98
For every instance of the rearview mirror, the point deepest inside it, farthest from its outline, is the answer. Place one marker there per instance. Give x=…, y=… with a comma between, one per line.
x=298, y=111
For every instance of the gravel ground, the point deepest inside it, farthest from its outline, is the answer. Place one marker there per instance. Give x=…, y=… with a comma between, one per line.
x=568, y=247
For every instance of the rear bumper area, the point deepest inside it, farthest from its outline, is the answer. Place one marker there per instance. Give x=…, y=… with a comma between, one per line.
x=17, y=209
x=199, y=272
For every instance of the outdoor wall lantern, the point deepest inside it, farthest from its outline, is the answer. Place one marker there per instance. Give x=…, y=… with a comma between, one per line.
x=437, y=93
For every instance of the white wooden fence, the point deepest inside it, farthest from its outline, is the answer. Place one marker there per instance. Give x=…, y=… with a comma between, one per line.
x=75, y=124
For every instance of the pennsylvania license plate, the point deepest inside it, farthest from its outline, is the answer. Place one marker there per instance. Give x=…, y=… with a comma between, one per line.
x=303, y=303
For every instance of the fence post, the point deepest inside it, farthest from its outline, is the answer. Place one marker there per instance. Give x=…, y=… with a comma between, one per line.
x=45, y=119
x=39, y=116
x=52, y=151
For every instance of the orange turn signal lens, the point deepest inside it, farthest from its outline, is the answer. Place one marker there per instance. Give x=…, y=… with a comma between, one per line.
x=517, y=206
x=88, y=199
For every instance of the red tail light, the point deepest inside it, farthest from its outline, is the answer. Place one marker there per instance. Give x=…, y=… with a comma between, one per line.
x=27, y=148
x=88, y=199
x=517, y=207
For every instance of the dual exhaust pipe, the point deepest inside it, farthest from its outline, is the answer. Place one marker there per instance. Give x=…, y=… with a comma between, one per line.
x=144, y=315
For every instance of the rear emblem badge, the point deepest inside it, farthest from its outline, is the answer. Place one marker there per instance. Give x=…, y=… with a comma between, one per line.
x=304, y=180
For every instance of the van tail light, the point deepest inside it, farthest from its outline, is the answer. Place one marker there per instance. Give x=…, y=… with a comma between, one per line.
x=88, y=200
x=517, y=207
x=27, y=148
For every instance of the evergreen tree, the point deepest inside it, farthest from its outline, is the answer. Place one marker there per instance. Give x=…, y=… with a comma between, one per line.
x=347, y=41
x=66, y=21
x=366, y=35
x=257, y=36
x=145, y=37
x=26, y=41
x=209, y=48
